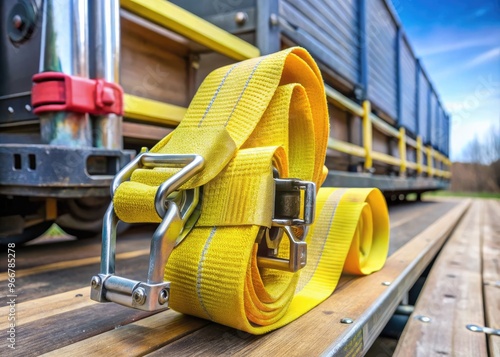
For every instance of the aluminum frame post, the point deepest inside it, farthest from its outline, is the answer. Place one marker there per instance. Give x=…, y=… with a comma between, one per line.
x=106, y=59
x=65, y=48
x=267, y=27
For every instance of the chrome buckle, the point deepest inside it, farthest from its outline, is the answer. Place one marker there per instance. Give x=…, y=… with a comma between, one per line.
x=179, y=212
x=290, y=210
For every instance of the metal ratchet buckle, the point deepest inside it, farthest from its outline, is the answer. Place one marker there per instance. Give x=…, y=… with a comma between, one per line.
x=293, y=213
x=179, y=212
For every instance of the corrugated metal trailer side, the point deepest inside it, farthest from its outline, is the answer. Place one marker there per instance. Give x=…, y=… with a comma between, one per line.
x=432, y=118
x=333, y=28
x=409, y=86
x=423, y=107
x=381, y=39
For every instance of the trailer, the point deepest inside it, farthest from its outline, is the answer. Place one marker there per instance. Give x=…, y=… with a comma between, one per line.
x=389, y=129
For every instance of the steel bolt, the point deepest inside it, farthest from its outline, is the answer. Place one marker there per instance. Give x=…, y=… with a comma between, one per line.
x=17, y=21
x=11, y=110
x=346, y=320
x=27, y=107
x=273, y=20
x=95, y=282
x=240, y=18
x=163, y=297
x=422, y=318
x=139, y=296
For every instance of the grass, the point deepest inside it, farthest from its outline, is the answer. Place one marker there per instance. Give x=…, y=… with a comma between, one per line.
x=463, y=194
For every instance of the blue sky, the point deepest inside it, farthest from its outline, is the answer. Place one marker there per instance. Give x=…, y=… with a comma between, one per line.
x=459, y=44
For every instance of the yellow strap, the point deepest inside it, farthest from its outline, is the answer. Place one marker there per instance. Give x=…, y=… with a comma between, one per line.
x=244, y=120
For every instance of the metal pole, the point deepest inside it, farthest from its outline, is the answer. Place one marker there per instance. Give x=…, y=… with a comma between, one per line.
x=267, y=33
x=363, y=49
x=399, y=76
x=106, y=34
x=65, y=49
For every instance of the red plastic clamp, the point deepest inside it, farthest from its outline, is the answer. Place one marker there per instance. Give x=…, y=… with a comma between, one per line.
x=55, y=91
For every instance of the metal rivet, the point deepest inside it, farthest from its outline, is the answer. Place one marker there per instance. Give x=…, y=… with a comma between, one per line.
x=422, y=318
x=139, y=296
x=27, y=107
x=17, y=21
x=11, y=110
x=240, y=18
x=163, y=297
x=346, y=320
x=474, y=328
x=273, y=20
x=95, y=282
x=386, y=283
x=486, y=330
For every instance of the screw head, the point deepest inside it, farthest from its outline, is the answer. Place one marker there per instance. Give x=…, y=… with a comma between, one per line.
x=346, y=320
x=474, y=328
x=240, y=18
x=27, y=107
x=95, y=282
x=273, y=19
x=139, y=296
x=163, y=296
x=17, y=21
x=11, y=110
x=422, y=318
x=386, y=283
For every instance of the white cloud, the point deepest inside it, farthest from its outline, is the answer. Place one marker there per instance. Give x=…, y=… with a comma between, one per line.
x=445, y=47
x=484, y=57
x=480, y=59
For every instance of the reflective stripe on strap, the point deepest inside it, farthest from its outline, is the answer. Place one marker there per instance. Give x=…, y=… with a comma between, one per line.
x=244, y=120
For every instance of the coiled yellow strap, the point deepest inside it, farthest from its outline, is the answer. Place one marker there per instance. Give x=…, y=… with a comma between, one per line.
x=244, y=120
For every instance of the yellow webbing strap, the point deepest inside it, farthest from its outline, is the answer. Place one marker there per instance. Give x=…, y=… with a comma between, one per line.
x=244, y=120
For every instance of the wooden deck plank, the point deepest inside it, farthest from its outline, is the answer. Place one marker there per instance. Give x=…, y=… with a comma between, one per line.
x=33, y=256
x=72, y=264
x=491, y=273
x=136, y=339
x=422, y=217
x=451, y=298
x=53, y=282
x=37, y=309
x=54, y=332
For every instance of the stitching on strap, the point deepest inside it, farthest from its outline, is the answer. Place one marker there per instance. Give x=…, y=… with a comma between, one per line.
x=243, y=91
x=216, y=93
x=200, y=268
x=334, y=199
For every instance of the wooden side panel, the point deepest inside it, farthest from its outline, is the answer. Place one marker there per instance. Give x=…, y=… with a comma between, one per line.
x=153, y=66
x=338, y=123
x=411, y=154
x=451, y=298
x=339, y=130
